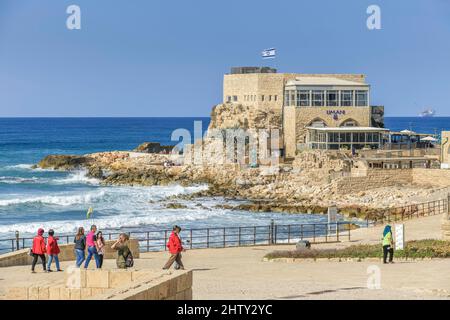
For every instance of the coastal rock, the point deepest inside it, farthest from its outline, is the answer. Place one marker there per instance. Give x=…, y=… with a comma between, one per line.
x=64, y=162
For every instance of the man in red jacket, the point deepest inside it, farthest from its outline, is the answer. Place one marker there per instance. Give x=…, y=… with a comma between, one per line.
x=175, y=248
x=52, y=250
x=38, y=249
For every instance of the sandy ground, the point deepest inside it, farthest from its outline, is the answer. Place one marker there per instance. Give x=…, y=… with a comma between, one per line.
x=241, y=273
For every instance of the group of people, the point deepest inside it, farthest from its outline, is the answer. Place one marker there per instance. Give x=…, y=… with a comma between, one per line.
x=40, y=249
x=94, y=242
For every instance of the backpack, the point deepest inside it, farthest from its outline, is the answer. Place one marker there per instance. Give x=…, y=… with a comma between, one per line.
x=129, y=260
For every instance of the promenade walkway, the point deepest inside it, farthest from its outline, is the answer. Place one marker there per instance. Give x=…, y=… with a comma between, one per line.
x=240, y=273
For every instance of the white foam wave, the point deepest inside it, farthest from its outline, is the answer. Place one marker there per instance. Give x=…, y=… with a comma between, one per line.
x=17, y=180
x=126, y=220
x=77, y=177
x=60, y=200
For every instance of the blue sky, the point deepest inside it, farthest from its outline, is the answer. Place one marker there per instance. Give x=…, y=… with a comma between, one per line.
x=167, y=58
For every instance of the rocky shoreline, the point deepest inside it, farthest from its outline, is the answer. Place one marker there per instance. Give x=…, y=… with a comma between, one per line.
x=295, y=188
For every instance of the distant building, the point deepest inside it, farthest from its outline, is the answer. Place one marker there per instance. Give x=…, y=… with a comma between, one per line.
x=310, y=101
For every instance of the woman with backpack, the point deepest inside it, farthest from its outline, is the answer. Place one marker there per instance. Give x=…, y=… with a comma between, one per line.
x=52, y=250
x=124, y=257
x=38, y=250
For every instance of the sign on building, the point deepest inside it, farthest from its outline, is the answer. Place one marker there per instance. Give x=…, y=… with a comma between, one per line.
x=399, y=236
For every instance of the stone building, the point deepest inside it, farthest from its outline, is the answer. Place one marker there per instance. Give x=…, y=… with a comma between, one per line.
x=308, y=101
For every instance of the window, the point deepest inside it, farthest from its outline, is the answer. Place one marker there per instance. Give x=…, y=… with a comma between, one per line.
x=346, y=98
x=270, y=97
x=318, y=123
x=235, y=98
x=332, y=98
x=349, y=123
x=275, y=97
x=228, y=98
x=286, y=98
x=317, y=98
x=262, y=97
x=303, y=98
x=361, y=98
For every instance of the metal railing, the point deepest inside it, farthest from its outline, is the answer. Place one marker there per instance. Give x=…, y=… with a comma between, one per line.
x=409, y=212
x=156, y=240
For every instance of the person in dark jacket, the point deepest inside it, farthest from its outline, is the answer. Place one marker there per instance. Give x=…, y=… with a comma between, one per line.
x=52, y=250
x=38, y=250
x=80, y=246
x=175, y=248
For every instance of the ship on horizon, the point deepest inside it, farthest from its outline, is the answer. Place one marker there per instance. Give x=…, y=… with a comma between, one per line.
x=427, y=113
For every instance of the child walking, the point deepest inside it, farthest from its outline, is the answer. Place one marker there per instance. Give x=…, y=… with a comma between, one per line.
x=52, y=250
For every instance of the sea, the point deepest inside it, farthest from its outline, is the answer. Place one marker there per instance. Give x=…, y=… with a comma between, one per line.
x=35, y=198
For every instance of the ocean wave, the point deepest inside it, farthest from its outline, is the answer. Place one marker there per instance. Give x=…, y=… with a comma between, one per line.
x=59, y=200
x=25, y=167
x=76, y=177
x=17, y=180
x=113, y=222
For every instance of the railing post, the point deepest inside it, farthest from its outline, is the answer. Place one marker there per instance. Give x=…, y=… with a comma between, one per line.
x=326, y=233
x=148, y=241
x=271, y=235
x=165, y=240
x=349, y=230
x=207, y=238
x=17, y=240
x=289, y=233
x=254, y=235
x=314, y=232
x=239, y=237
x=301, y=231
x=224, y=237
x=337, y=231
x=191, y=238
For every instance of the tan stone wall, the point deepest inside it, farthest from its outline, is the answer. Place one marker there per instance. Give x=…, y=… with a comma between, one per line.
x=268, y=84
x=111, y=285
x=374, y=179
x=446, y=147
x=432, y=177
x=304, y=116
x=21, y=257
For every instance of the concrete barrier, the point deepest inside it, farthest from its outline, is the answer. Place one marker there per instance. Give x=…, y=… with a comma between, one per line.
x=21, y=257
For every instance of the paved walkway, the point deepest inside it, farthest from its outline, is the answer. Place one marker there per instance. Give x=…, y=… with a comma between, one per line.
x=240, y=273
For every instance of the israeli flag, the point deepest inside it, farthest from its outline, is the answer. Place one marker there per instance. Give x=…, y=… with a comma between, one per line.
x=269, y=53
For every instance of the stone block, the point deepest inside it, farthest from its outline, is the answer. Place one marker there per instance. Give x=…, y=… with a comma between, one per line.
x=163, y=291
x=172, y=287
x=184, y=281
x=64, y=293
x=54, y=293
x=119, y=277
x=75, y=294
x=17, y=294
x=188, y=294
x=33, y=293
x=75, y=277
x=97, y=279
x=97, y=291
x=152, y=293
x=44, y=293
x=86, y=293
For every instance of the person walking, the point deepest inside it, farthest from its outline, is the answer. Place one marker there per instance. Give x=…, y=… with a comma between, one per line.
x=38, y=250
x=100, y=248
x=124, y=257
x=91, y=242
x=175, y=248
x=52, y=250
x=388, y=244
x=80, y=246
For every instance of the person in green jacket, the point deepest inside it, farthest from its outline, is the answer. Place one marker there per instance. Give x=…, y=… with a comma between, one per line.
x=388, y=244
